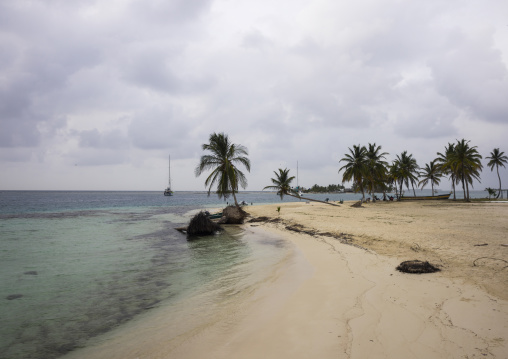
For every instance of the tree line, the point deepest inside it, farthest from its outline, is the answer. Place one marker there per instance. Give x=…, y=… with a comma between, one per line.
x=460, y=162
x=365, y=166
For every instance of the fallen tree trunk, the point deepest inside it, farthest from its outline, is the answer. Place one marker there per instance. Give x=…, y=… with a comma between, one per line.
x=313, y=200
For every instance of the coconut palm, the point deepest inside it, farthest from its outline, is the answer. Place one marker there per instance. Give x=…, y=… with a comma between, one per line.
x=282, y=184
x=497, y=159
x=465, y=161
x=407, y=170
x=223, y=160
x=355, y=168
x=431, y=173
x=445, y=162
x=375, y=168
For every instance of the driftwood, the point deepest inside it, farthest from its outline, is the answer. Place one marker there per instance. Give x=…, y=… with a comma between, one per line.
x=495, y=259
x=416, y=267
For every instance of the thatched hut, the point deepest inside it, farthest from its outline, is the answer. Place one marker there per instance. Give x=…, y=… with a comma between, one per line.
x=201, y=225
x=233, y=215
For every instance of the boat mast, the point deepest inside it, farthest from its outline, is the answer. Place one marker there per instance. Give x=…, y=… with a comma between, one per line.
x=297, y=184
x=169, y=173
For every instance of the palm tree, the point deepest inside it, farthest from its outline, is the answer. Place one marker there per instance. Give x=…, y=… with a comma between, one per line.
x=375, y=168
x=282, y=184
x=431, y=173
x=355, y=168
x=445, y=163
x=223, y=158
x=407, y=170
x=465, y=161
x=497, y=159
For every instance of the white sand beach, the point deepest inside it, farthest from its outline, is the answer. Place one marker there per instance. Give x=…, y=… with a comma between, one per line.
x=336, y=300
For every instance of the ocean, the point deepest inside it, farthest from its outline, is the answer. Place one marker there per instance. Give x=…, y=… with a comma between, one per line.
x=76, y=264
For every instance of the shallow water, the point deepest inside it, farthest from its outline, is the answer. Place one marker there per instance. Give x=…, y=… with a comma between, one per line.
x=73, y=272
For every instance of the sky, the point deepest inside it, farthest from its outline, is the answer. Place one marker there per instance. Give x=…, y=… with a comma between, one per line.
x=95, y=95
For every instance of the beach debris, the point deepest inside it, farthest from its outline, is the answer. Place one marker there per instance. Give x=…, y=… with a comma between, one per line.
x=31, y=272
x=415, y=247
x=416, y=267
x=481, y=245
x=357, y=204
x=233, y=215
x=14, y=296
x=301, y=229
x=201, y=225
x=489, y=258
x=265, y=219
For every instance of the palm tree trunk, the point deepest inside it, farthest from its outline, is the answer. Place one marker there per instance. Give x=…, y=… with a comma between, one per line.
x=463, y=186
x=314, y=200
x=498, y=193
x=234, y=196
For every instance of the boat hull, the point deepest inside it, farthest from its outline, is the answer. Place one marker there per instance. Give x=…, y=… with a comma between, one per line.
x=426, y=198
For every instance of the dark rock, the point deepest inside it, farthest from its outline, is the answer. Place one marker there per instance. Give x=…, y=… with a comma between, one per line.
x=357, y=204
x=31, y=272
x=416, y=267
x=233, y=215
x=201, y=225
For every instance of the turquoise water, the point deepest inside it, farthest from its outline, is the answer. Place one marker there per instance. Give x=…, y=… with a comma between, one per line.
x=74, y=265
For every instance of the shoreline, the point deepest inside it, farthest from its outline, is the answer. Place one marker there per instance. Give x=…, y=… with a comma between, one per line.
x=332, y=299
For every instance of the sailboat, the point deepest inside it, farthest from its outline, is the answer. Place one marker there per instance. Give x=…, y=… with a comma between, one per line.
x=168, y=191
x=297, y=183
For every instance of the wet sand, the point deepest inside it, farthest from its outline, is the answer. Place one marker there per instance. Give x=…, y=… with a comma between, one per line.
x=335, y=300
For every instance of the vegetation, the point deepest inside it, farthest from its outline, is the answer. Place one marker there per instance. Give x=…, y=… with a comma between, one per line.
x=355, y=168
x=491, y=191
x=282, y=184
x=367, y=169
x=465, y=162
x=331, y=188
x=497, y=158
x=223, y=160
x=431, y=173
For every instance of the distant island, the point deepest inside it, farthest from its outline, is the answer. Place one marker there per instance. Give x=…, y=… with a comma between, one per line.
x=331, y=188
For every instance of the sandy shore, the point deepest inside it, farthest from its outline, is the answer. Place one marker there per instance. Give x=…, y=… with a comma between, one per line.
x=336, y=300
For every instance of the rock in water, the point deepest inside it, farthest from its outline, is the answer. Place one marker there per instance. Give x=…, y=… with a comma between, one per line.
x=233, y=215
x=201, y=225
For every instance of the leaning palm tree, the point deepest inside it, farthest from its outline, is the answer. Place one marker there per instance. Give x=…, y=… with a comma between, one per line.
x=465, y=161
x=497, y=159
x=282, y=184
x=431, y=173
x=223, y=158
x=445, y=164
x=375, y=168
x=355, y=168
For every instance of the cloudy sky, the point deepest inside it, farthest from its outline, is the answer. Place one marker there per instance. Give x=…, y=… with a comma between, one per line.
x=96, y=94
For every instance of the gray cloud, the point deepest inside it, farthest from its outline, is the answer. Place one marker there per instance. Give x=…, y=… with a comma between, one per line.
x=127, y=82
